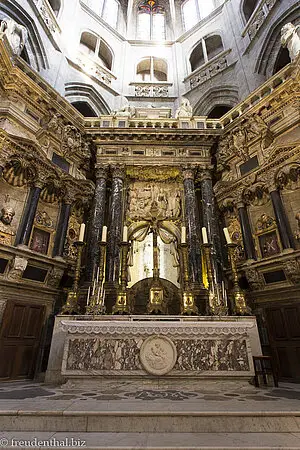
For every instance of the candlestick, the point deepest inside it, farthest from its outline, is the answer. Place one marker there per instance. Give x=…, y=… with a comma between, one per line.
x=81, y=232
x=188, y=305
x=104, y=233
x=240, y=304
x=227, y=236
x=204, y=235
x=71, y=306
x=125, y=233
x=183, y=235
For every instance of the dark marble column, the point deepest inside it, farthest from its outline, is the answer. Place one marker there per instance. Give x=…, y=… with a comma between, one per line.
x=115, y=224
x=96, y=223
x=192, y=224
x=246, y=232
x=210, y=220
x=25, y=228
x=283, y=225
x=62, y=228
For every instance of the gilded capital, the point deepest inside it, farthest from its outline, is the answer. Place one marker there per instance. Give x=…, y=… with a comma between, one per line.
x=101, y=172
x=118, y=171
x=188, y=173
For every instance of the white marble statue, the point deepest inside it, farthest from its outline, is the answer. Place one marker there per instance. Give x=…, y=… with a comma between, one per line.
x=125, y=111
x=185, y=109
x=16, y=34
x=290, y=38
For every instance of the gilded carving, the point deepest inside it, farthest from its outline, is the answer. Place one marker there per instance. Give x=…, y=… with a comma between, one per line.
x=55, y=277
x=255, y=279
x=265, y=223
x=292, y=270
x=42, y=218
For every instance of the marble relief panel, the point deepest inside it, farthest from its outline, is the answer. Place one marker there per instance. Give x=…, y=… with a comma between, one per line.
x=123, y=354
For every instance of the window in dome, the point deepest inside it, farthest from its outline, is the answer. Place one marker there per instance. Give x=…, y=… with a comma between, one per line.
x=110, y=12
x=96, y=48
x=205, y=50
x=249, y=7
x=55, y=6
x=195, y=10
x=151, y=21
x=152, y=69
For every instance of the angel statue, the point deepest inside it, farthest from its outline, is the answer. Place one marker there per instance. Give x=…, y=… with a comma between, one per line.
x=290, y=38
x=16, y=34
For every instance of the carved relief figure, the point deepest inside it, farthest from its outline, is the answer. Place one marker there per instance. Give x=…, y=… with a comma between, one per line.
x=185, y=109
x=71, y=140
x=239, y=141
x=16, y=34
x=6, y=229
x=290, y=38
x=144, y=199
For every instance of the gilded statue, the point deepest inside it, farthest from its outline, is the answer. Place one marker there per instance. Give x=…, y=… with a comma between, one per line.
x=290, y=38
x=16, y=34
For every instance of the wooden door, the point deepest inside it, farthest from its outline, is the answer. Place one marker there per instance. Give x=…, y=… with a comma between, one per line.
x=19, y=339
x=284, y=330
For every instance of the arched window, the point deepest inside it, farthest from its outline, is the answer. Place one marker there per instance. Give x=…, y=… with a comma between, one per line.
x=55, y=5
x=152, y=69
x=248, y=8
x=195, y=10
x=218, y=111
x=283, y=59
x=85, y=109
x=151, y=21
x=110, y=12
x=205, y=50
x=96, y=48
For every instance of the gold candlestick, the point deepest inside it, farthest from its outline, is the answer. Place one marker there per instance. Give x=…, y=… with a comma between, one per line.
x=71, y=306
x=240, y=305
x=188, y=305
x=216, y=305
x=156, y=303
x=95, y=305
x=122, y=304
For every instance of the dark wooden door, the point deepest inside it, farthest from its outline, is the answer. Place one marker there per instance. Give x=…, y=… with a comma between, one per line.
x=19, y=339
x=284, y=331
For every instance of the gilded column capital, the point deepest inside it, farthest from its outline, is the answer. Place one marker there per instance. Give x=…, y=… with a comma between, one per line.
x=101, y=172
x=204, y=174
x=188, y=173
x=118, y=171
x=240, y=204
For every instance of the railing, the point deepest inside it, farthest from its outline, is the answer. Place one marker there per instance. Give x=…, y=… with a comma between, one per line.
x=208, y=70
x=193, y=123
x=95, y=69
x=47, y=15
x=144, y=89
x=256, y=96
x=258, y=17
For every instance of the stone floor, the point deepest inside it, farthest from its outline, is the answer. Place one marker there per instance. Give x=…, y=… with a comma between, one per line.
x=110, y=396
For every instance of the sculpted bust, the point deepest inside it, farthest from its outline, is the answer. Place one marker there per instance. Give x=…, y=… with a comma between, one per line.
x=185, y=109
x=290, y=38
x=16, y=34
x=6, y=230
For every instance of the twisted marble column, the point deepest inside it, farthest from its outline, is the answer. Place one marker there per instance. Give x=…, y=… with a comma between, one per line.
x=96, y=223
x=115, y=224
x=249, y=247
x=26, y=225
x=192, y=224
x=210, y=221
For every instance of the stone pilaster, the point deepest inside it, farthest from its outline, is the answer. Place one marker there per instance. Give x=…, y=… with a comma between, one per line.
x=115, y=224
x=192, y=224
x=246, y=231
x=96, y=222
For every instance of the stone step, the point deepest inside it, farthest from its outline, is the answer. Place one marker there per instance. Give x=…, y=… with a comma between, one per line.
x=151, y=441
x=152, y=421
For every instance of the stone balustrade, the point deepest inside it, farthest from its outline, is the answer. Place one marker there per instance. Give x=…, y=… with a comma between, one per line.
x=208, y=70
x=144, y=89
x=46, y=13
x=258, y=17
x=93, y=68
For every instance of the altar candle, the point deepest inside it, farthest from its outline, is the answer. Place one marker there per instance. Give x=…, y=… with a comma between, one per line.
x=98, y=296
x=97, y=279
x=227, y=236
x=81, y=232
x=125, y=233
x=104, y=233
x=88, y=296
x=183, y=235
x=94, y=287
x=204, y=235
